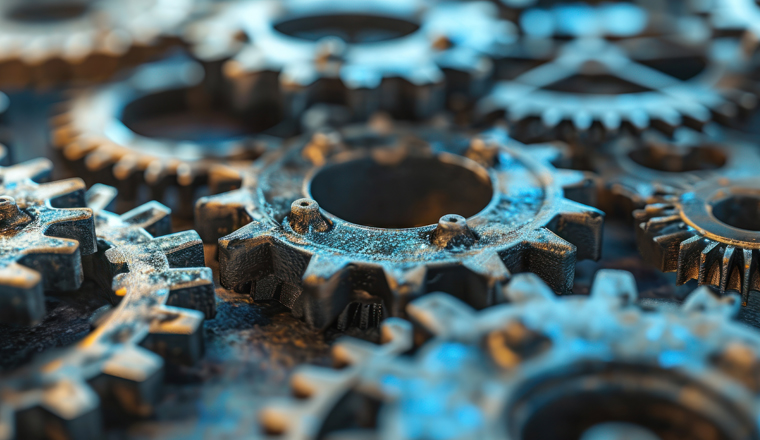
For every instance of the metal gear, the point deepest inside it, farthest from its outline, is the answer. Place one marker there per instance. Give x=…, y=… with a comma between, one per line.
x=709, y=233
x=637, y=171
x=48, y=41
x=399, y=56
x=103, y=133
x=540, y=367
x=45, y=230
x=347, y=227
x=60, y=396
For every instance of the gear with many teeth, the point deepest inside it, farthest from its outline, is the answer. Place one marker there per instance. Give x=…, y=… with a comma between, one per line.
x=637, y=171
x=400, y=56
x=540, y=367
x=709, y=233
x=44, y=232
x=65, y=394
x=346, y=227
x=141, y=132
x=49, y=42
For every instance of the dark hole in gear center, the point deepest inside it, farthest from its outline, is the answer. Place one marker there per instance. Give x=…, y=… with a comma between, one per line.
x=740, y=211
x=416, y=191
x=47, y=11
x=699, y=158
x=351, y=28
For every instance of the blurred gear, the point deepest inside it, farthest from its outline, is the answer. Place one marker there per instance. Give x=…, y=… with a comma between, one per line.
x=540, y=367
x=60, y=396
x=48, y=42
x=640, y=171
x=44, y=231
x=163, y=127
x=399, y=56
x=710, y=233
x=352, y=225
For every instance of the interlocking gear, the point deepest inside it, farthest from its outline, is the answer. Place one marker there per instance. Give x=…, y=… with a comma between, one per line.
x=637, y=171
x=45, y=230
x=710, y=233
x=351, y=225
x=46, y=42
x=540, y=367
x=140, y=131
x=399, y=56
x=61, y=396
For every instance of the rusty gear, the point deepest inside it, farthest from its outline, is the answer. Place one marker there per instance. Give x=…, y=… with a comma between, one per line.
x=61, y=396
x=540, y=367
x=45, y=231
x=640, y=171
x=397, y=56
x=709, y=233
x=100, y=134
x=48, y=41
x=351, y=225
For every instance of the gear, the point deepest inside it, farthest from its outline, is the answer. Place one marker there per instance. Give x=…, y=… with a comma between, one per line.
x=540, y=367
x=402, y=213
x=709, y=233
x=52, y=395
x=640, y=171
x=597, y=86
x=165, y=134
x=398, y=56
x=44, y=235
x=48, y=42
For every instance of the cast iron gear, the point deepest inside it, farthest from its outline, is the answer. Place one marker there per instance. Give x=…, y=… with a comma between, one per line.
x=351, y=225
x=60, y=396
x=49, y=41
x=161, y=127
x=710, y=233
x=399, y=56
x=540, y=367
x=44, y=231
x=637, y=171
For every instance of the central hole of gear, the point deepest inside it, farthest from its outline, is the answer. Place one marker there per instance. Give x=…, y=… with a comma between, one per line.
x=739, y=211
x=191, y=114
x=416, y=191
x=569, y=406
x=672, y=161
x=351, y=28
x=596, y=85
x=45, y=12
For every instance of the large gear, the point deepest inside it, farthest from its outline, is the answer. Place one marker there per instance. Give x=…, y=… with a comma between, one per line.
x=60, y=396
x=48, y=41
x=709, y=233
x=164, y=134
x=637, y=171
x=540, y=367
x=45, y=231
x=351, y=225
x=398, y=56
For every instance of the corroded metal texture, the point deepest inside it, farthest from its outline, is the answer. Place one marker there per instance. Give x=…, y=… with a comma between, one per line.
x=66, y=394
x=540, y=367
x=710, y=233
x=48, y=42
x=44, y=231
x=400, y=56
x=347, y=227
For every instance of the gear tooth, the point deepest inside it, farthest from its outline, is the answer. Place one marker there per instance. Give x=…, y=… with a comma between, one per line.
x=192, y=288
x=489, y=266
x=551, y=257
x=527, y=287
x=153, y=216
x=326, y=291
x=99, y=159
x=182, y=249
x=309, y=380
x=397, y=338
x=246, y=255
x=35, y=169
x=709, y=262
x=22, y=301
x=99, y=196
x=441, y=314
x=126, y=167
x=689, y=257
x=74, y=408
x=661, y=249
x=406, y=284
x=176, y=334
x=217, y=216
x=615, y=284
x=748, y=274
x=131, y=380
x=703, y=300
x=727, y=266
x=580, y=225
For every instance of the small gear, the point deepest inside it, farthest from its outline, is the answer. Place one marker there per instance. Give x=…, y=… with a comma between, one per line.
x=48, y=42
x=596, y=86
x=45, y=230
x=709, y=233
x=351, y=225
x=60, y=396
x=540, y=367
x=637, y=171
x=399, y=56
x=165, y=134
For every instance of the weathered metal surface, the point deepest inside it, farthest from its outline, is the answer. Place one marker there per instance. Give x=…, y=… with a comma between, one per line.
x=538, y=367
